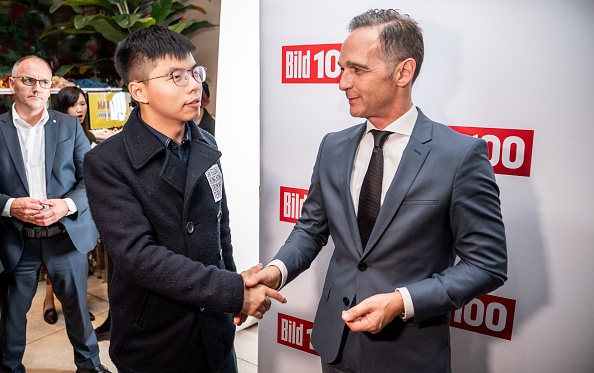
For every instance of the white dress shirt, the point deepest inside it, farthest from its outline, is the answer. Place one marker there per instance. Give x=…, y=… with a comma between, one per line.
x=393, y=149
x=32, y=144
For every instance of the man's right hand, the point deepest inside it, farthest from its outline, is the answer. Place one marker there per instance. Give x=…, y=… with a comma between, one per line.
x=270, y=276
x=257, y=292
x=25, y=209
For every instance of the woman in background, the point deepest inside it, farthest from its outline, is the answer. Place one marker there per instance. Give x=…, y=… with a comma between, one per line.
x=73, y=101
x=69, y=100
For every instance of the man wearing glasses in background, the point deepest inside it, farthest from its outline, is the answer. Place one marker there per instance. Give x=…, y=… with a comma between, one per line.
x=45, y=216
x=157, y=196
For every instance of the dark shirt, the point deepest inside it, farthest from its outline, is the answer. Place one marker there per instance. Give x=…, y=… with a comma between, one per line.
x=181, y=151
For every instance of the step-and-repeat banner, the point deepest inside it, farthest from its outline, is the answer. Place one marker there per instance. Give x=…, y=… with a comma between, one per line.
x=517, y=74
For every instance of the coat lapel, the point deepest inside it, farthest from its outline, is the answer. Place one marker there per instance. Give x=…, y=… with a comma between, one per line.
x=202, y=156
x=412, y=160
x=11, y=139
x=348, y=157
x=51, y=142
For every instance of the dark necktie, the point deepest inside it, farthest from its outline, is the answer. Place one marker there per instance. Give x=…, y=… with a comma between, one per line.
x=371, y=189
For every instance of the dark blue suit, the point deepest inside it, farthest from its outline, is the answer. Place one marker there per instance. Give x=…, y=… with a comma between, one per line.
x=443, y=202
x=64, y=255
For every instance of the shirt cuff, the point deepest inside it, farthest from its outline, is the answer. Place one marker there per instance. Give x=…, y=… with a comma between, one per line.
x=72, y=209
x=283, y=269
x=409, y=310
x=6, y=210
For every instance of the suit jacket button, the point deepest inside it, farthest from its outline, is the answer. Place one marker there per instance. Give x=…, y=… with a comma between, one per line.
x=201, y=309
x=345, y=300
x=219, y=215
x=190, y=227
x=362, y=267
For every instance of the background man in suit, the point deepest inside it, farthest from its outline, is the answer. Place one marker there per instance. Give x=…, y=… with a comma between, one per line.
x=45, y=215
x=157, y=195
x=392, y=278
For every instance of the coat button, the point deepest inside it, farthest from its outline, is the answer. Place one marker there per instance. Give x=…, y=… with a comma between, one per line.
x=362, y=267
x=219, y=215
x=201, y=309
x=190, y=227
x=345, y=300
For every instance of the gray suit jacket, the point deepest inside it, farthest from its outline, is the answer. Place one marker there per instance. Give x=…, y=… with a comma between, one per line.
x=443, y=202
x=65, y=147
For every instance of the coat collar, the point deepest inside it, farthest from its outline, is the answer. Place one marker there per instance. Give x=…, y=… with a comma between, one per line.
x=142, y=147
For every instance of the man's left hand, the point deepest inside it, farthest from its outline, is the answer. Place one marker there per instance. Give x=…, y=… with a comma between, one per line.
x=57, y=209
x=374, y=313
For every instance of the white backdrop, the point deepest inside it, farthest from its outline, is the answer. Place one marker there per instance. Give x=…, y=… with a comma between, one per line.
x=511, y=65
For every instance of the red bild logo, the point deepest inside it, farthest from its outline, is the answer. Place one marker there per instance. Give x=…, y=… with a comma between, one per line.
x=295, y=333
x=317, y=63
x=510, y=150
x=291, y=202
x=487, y=314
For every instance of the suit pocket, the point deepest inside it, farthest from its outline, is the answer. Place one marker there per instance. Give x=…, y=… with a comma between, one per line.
x=64, y=143
x=428, y=202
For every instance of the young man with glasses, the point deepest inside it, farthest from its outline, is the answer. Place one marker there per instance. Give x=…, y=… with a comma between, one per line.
x=45, y=216
x=157, y=195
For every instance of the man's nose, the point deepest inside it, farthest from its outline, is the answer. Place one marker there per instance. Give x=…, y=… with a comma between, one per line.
x=345, y=81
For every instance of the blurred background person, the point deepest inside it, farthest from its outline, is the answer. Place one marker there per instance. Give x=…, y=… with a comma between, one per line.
x=204, y=119
x=73, y=101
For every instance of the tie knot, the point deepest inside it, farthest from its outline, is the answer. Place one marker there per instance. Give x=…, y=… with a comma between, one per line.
x=380, y=137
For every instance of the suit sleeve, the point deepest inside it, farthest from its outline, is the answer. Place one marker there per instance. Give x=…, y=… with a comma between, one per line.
x=311, y=231
x=78, y=192
x=479, y=240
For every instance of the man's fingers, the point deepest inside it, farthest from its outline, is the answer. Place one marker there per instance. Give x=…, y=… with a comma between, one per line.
x=249, y=272
x=275, y=295
x=255, y=279
x=354, y=313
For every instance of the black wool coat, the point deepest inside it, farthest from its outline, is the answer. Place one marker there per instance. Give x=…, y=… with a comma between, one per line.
x=174, y=285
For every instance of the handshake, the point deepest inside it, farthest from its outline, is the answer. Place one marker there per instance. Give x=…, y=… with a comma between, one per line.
x=259, y=287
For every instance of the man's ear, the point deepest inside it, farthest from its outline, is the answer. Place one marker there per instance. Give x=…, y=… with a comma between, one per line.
x=137, y=93
x=405, y=72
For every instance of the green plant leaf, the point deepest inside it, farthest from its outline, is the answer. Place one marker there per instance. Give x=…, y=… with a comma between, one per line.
x=63, y=70
x=127, y=20
x=108, y=29
x=143, y=23
x=195, y=26
x=161, y=9
x=81, y=22
x=178, y=27
x=78, y=4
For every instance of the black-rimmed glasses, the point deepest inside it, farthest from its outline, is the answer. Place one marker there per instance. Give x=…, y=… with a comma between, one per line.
x=27, y=80
x=181, y=77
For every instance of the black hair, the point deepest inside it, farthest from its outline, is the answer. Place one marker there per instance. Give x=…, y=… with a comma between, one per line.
x=136, y=55
x=68, y=97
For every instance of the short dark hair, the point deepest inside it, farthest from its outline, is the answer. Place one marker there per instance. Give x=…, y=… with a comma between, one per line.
x=136, y=55
x=400, y=36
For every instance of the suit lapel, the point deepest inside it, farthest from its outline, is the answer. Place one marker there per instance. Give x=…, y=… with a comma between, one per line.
x=51, y=142
x=348, y=157
x=11, y=138
x=412, y=160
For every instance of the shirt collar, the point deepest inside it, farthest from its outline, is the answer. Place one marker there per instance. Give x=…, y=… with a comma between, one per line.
x=164, y=139
x=403, y=125
x=17, y=120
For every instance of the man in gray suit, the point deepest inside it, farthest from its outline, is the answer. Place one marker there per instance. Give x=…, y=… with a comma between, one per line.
x=45, y=216
x=393, y=278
